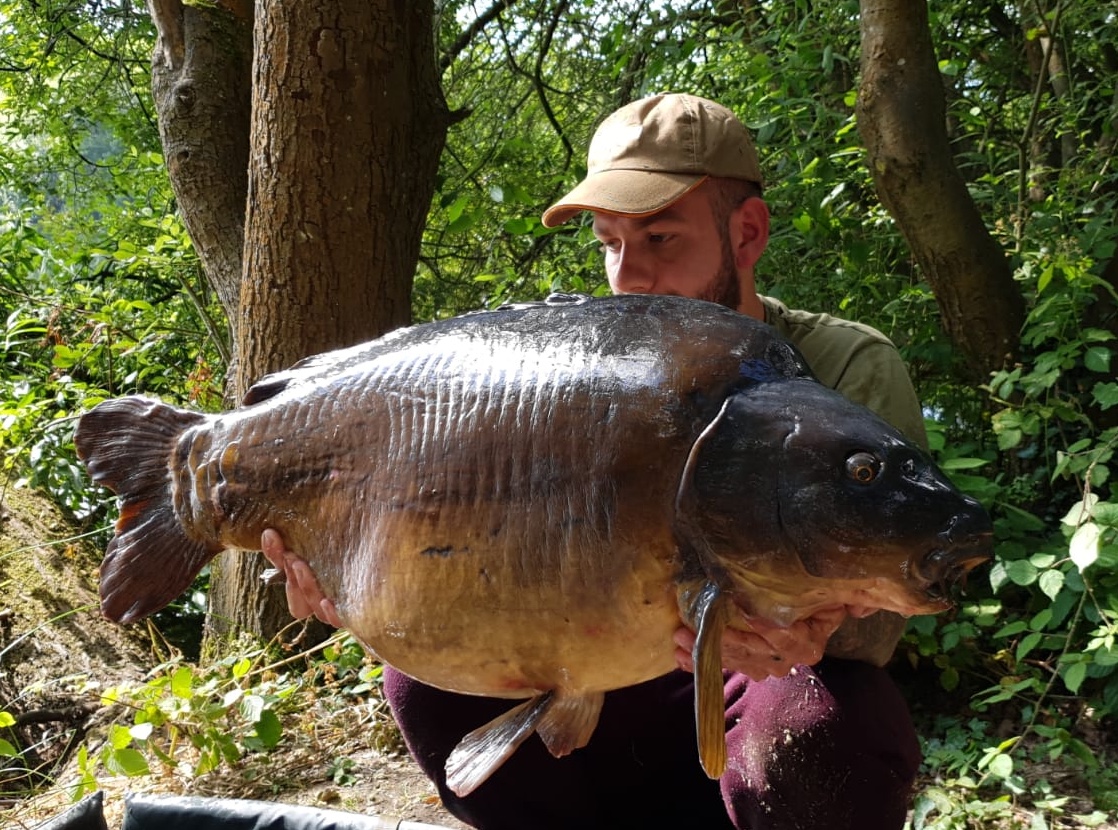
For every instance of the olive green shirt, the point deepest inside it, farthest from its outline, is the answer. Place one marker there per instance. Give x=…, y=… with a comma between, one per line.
x=865, y=366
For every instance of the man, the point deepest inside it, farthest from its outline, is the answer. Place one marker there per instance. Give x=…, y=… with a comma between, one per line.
x=674, y=186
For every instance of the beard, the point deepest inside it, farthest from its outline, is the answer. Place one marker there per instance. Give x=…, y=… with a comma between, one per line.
x=724, y=287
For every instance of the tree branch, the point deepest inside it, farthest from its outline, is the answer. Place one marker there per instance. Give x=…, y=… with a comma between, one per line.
x=470, y=32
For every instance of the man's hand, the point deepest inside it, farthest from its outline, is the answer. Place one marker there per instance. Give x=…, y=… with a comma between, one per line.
x=304, y=594
x=768, y=650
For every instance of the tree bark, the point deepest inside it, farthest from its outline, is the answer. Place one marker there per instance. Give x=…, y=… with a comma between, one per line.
x=201, y=83
x=901, y=121
x=348, y=122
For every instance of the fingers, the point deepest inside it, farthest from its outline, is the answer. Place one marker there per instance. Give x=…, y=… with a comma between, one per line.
x=757, y=657
x=304, y=594
x=271, y=545
x=298, y=602
x=742, y=651
x=767, y=649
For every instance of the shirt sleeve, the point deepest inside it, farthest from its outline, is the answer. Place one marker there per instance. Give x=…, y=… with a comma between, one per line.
x=876, y=377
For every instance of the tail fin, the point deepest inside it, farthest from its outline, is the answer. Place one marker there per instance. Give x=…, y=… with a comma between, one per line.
x=127, y=445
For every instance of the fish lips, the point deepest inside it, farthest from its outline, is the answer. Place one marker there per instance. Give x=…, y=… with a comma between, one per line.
x=943, y=571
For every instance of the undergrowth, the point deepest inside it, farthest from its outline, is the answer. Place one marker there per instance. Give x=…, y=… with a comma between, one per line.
x=187, y=721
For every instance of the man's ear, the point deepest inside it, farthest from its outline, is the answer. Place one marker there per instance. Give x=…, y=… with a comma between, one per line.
x=749, y=232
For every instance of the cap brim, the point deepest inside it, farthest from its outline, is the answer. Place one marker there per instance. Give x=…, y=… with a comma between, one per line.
x=622, y=192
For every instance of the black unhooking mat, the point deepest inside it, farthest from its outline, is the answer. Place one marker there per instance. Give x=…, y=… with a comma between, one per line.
x=146, y=812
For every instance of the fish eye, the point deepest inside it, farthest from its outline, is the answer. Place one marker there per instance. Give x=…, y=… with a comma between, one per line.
x=863, y=467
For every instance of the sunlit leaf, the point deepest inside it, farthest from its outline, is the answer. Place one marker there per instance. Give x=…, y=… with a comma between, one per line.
x=1084, y=545
x=1080, y=510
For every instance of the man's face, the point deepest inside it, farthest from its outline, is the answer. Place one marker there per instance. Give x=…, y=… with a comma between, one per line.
x=680, y=251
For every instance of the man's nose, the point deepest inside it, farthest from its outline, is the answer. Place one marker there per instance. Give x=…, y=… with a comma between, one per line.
x=632, y=274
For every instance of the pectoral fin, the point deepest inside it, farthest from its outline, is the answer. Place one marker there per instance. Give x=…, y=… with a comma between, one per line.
x=480, y=753
x=709, y=615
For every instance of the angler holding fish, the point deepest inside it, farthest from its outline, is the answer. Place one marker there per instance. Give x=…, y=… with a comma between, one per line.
x=532, y=503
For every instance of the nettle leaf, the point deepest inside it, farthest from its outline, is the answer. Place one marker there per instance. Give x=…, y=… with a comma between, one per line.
x=1106, y=394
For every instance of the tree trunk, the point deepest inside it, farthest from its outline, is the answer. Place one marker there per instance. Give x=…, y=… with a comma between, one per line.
x=348, y=122
x=901, y=121
x=201, y=83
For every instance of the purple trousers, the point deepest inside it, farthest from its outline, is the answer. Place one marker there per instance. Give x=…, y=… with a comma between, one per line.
x=830, y=746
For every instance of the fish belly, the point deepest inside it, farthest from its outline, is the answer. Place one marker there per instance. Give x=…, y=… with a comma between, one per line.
x=491, y=533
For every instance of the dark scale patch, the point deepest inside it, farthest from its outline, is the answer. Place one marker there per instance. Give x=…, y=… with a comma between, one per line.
x=443, y=552
x=758, y=371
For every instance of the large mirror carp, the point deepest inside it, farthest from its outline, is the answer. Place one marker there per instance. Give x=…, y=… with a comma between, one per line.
x=522, y=503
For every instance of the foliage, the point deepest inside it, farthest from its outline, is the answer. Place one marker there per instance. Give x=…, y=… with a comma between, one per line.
x=102, y=295
x=100, y=291
x=188, y=720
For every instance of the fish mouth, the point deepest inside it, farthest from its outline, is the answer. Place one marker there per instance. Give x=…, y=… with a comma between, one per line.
x=962, y=544
x=943, y=571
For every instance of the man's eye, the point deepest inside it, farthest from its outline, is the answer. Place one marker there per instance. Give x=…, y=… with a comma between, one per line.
x=657, y=238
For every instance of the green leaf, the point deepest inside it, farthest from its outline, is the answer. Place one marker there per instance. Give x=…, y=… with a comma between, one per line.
x=7, y=719
x=252, y=706
x=1009, y=438
x=1097, y=359
x=949, y=679
x=1022, y=519
x=182, y=682
x=998, y=576
x=1084, y=545
x=268, y=729
x=1041, y=619
x=1105, y=394
x=1027, y=644
x=241, y=667
x=463, y=222
x=119, y=736
x=127, y=762
x=7, y=750
x=1074, y=676
x=1015, y=627
x=1080, y=511
x=1021, y=572
x=1001, y=765
x=1051, y=582
x=963, y=463
x=1104, y=513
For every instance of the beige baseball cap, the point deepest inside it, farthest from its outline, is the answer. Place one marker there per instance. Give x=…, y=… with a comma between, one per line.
x=651, y=152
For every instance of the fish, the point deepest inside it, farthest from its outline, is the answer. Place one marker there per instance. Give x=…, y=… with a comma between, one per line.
x=524, y=502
